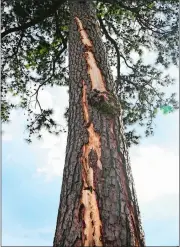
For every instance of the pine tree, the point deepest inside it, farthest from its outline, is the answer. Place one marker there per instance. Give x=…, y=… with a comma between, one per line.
x=98, y=204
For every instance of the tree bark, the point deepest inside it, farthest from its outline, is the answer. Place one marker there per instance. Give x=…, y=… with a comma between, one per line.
x=98, y=205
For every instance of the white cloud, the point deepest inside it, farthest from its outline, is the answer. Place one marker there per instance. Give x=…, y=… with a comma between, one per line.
x=15, y=127
x=55, y=156
x=50, y=151
x=6, y=137
x=155, y=170
x=163, y=207
x=46, y=99
x=53, y=147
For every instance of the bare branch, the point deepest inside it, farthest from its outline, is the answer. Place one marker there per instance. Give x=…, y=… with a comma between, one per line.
x=115, y=46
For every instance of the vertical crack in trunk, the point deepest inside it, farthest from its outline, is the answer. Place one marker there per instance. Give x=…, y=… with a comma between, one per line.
x=93, y=70
x=132, y=221
x=94, y=139
x=91, y=217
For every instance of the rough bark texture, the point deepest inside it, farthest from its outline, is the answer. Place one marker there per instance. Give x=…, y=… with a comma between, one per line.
x=98, y=205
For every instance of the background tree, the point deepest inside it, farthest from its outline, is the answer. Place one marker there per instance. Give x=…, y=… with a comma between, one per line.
x=34, y=48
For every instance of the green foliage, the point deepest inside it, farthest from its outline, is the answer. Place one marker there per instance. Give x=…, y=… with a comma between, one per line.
x=167, y=109
x=34, y=48
x=132, y=138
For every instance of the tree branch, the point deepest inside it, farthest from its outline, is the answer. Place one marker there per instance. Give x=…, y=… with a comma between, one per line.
x=119, y=2
x=35, y=21
x=115, y=46
x=54, y=61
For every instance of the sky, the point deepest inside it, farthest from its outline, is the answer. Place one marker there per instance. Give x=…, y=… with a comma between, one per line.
x=32, y=176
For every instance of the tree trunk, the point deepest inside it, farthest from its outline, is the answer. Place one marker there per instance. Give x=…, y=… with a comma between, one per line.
x=98, y=206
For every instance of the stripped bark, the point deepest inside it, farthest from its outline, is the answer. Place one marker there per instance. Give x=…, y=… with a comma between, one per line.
x=97, y=205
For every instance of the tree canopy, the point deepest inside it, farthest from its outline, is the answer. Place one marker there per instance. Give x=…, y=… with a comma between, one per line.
x=34, y=50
